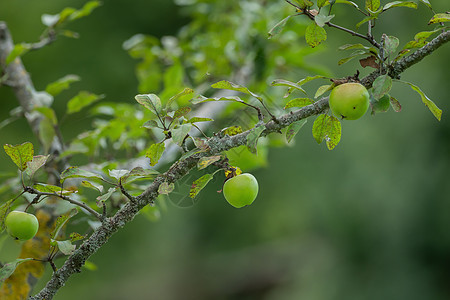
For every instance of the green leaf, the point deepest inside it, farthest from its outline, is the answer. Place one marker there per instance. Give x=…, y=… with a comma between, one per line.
x=20, y=154
x=66, y=247
x=17, y=51
x=206, y=161
x=118, y=174
x=292, y=85
x=372, y=5
x=322, y=3
x=328, y=128
x=61, y=84
x=298, y=102
x=86, y=10
x=333, y=135
x=304, y=3
x=228, y=85
x=439, y=18
x=165, y=188
x=139, y=172
x=199, y=119
x=322, y=90
x=278, y=27
x=4, y=211
x=185, y=95
x=180, y=132
x=427, y=101
x=426, y=2
x=150, y=124
x=199, y=185
x=48, y=188
x=155, y=152
x=190, y=153
x=104, y=197
x=150, y=101
x=92, y=185
x=420, y=39
x=252, y=138
x=354, y=46
x=365, y=20
x=390, y=44
x=46, y=133
x=293, y=129
x=9, y=268
x=60, y=222
x=315, y=35
x=322, y=19
x=34, y=165
x=48, y=113
x=182, y=111
x=352, y=56
x=201, y=99
x=380, y=105
x=409, y=4
x=82, y=100
x=320, y=127
x=381, y=86
x=75, y=172
x=395, y=104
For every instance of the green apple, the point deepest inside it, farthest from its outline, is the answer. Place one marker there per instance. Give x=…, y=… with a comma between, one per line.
x=349, y=101
x=241, y=190
x=21, y=225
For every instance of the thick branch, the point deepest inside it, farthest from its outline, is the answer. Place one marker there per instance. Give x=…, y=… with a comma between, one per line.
x=21, y=83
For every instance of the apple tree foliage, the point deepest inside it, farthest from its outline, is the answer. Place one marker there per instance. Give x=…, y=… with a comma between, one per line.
x=214, y=97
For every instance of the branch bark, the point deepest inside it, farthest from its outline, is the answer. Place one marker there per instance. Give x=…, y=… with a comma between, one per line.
x=23, y=87
x=180, y=168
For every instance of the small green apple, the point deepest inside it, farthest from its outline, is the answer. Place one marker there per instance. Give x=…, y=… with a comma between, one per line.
x=21, y=225
x=241, y=190
x=349, y=101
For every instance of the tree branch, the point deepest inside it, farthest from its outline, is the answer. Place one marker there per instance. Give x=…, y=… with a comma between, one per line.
x=68, y=199
x=180, y=168
x=23, y=87
x=400, y=66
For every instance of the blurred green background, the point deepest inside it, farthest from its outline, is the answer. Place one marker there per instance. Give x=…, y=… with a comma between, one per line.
x=368, y=220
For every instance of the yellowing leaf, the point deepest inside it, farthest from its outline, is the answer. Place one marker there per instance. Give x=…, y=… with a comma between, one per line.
x=315, y=35
x=20, y=154
x=155, y=152
x=199, y=184
x=439, y=18
x=298, y=102
x=206, y=161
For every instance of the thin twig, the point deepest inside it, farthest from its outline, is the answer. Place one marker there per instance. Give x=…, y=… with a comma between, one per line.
x=370, y=39
x=68, y=199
